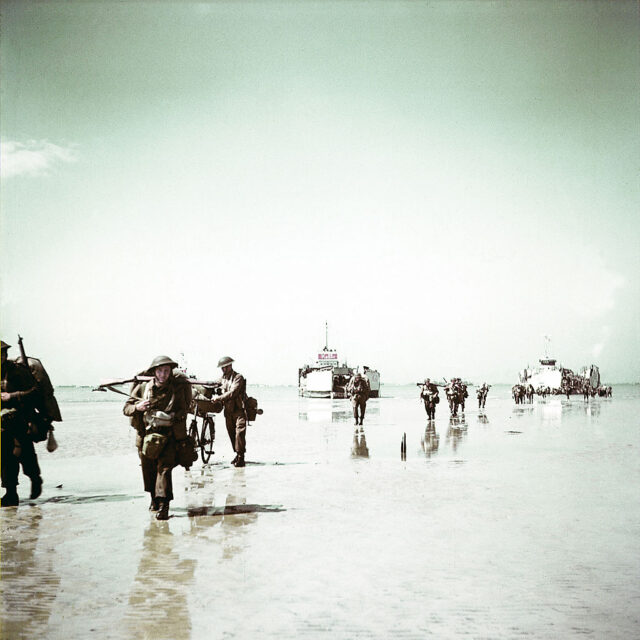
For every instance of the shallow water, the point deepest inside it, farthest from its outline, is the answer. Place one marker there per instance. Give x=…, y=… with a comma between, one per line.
x=519, y=521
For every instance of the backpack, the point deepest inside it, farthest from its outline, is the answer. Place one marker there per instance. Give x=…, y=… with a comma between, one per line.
x=46, y=410
x=251, y=409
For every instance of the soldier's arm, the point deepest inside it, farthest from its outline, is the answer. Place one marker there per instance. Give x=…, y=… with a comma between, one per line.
x=130, y=405
x=26, y=396
x=236, y=388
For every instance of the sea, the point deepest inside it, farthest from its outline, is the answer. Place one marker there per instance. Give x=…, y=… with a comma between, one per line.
x=516, y=521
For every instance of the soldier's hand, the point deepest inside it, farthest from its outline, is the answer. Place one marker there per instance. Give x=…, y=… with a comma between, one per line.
x=5, y=396
x=143, y=405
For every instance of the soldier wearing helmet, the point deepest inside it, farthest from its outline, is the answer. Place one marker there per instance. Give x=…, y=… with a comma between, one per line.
x=358, y=390
x=234, y=393
x=18, y=397
x=431, y=397
x=158, y=411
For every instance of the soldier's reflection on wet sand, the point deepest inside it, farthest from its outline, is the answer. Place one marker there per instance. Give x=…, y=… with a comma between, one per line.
x=158, y=602
x=430, y=440
x=359, y=447
x=29, y=582
x=236, y=517
x=457, y=430
x=482, y=418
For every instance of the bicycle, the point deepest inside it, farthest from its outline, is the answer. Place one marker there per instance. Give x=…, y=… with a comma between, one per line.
x=203, y=436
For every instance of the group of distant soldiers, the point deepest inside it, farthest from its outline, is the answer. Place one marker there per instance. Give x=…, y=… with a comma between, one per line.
x=525, y=392
x=456, y=392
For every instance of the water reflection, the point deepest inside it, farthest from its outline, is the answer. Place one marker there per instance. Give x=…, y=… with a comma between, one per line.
x=457, y=430
x=482, y=418
x=236, y=518
x=29, y=581
x=359, y=447
x=323, y=410
x=158, y=602
x=551, y=414
x=431, y=440
x=592, y=409
x=521, y=410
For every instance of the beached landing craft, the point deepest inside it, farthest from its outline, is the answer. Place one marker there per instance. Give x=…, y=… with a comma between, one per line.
x=328, y=377
x=556, y=377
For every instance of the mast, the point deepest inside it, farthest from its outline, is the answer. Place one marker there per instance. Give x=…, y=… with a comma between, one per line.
x=326, y=336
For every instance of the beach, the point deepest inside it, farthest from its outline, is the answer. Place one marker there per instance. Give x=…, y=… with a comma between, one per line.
x=517, y=521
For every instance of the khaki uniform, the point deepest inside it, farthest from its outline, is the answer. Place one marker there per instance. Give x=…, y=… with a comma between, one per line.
x=17, y=445
x=174, y=397
x=430, y=396
x=359, y=391
x=234, y=393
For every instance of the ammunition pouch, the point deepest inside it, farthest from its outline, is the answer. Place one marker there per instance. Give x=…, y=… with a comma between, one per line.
x=153, y=444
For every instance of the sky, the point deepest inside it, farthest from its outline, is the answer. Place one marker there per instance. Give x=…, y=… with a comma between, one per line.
x=443, y=183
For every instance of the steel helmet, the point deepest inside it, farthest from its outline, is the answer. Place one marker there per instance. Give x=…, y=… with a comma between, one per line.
x=158, y=361
x=224, y=361
x=5, y=345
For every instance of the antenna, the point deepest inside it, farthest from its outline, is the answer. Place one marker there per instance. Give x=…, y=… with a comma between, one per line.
x=326, y=336
x=547, y=342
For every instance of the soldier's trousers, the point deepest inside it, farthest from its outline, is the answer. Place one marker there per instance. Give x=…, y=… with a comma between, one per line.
x=359, y=403
x=156, y=474
x=11, y=463
x=237, y=430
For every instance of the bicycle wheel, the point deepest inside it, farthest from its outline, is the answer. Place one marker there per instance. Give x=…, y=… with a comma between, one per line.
x=193, y=432
x=207, y=436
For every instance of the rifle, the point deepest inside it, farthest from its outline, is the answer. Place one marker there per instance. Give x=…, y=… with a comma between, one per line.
x=110, y=384
x=25, y=360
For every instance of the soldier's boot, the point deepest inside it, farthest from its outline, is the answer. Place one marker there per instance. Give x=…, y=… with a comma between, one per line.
x=155, y=504
x=36, y=487
x=233, y=462
x=163, y=510
x=240, y=460
x=10, y=498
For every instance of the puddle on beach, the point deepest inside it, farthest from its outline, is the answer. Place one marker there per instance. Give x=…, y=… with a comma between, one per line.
x=328, y=532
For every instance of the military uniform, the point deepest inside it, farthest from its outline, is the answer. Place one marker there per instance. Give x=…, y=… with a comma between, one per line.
x=173, y=398
x=482, y=396
x=358, y=390
x=430, y=396
x=233, y=395
x=17, y=445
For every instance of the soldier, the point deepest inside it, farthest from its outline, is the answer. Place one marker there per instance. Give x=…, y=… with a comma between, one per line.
x=158, y=411
x=358, y=390
x=482, y=395
x=234, y=393
x=430, y=396
x=19, y=396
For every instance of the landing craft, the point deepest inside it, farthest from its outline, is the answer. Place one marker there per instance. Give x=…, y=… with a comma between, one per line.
x=327, y=377
x=549, y=373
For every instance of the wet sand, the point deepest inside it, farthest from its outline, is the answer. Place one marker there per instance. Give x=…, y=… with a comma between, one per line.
x=519, y=521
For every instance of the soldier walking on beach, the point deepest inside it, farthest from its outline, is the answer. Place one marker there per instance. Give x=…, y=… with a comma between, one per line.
x=158, y=412
x=430, y=396
x=19, y=397
x=482, y=395
x=234, y=393
x=358, y=390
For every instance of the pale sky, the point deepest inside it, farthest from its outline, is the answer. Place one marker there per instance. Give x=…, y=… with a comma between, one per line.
x=443, y=182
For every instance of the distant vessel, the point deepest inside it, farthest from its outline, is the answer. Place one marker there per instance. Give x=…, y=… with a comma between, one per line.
x=327, y=377
x=549, y=373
